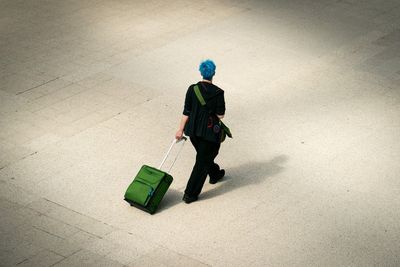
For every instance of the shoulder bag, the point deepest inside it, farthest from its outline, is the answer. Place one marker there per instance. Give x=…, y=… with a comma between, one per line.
x=215, y=123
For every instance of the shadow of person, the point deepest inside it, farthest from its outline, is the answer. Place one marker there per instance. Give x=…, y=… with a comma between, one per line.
x=171, y=198
x=239, y=176
x=246, y=174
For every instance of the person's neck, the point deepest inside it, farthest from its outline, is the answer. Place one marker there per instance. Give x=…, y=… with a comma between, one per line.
x=206, y=81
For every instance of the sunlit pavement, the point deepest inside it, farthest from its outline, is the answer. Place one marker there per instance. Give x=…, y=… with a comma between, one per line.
x=92, y=90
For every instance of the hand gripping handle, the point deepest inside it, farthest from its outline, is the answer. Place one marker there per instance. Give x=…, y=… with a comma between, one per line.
x=175, y=141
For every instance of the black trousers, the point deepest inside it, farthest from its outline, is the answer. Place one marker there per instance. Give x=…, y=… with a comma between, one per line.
x=205, y=165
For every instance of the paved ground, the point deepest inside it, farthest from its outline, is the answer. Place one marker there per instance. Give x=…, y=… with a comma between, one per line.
x=91, y=90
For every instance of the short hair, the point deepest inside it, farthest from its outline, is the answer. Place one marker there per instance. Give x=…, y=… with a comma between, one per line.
x=207, y=69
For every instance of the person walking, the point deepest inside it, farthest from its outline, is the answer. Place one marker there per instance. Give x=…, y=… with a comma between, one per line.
x=200, y=122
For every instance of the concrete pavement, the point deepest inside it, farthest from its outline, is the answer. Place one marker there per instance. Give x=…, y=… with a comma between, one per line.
x=92, y=90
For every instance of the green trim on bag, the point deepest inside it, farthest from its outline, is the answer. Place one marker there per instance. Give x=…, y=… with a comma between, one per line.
x=199, y=95
x=226, y=129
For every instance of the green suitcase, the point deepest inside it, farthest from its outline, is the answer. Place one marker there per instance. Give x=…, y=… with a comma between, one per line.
x=150, y=185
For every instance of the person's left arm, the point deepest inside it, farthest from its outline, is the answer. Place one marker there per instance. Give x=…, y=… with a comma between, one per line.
x=220, y=108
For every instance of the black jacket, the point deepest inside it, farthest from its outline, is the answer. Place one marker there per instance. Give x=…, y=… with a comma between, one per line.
x=200, y=116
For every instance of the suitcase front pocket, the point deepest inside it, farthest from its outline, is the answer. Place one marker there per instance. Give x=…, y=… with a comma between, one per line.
x=150, y=176
x=140, y=192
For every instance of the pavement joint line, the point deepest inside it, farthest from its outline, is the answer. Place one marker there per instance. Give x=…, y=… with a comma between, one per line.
x=66, y=257
x=61, y=99
x=57, y=253
x=19, y=93
x=68, y=84
x=27, y=156
x=17, y=160
x=58, y=204
x=100, y=237
x=47, y=232
x=76, y=226
x=24, y=260
x=180, y=254
x=59, y=260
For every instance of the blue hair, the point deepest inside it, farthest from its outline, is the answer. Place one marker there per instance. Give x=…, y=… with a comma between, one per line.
x=207, y=69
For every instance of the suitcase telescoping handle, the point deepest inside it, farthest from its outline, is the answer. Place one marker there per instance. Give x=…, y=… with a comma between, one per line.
x=175, y=141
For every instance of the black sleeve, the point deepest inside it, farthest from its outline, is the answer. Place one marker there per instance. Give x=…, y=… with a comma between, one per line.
x=220, y=109
x=188, y=103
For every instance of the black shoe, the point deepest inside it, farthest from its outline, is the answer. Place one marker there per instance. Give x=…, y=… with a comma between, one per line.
x=188, y=199
x=215, y=180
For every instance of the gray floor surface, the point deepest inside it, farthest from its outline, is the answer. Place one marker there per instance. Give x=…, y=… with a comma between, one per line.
x=91, y=90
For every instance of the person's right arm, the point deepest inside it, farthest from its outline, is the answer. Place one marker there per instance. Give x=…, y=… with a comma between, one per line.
x=179, y=133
